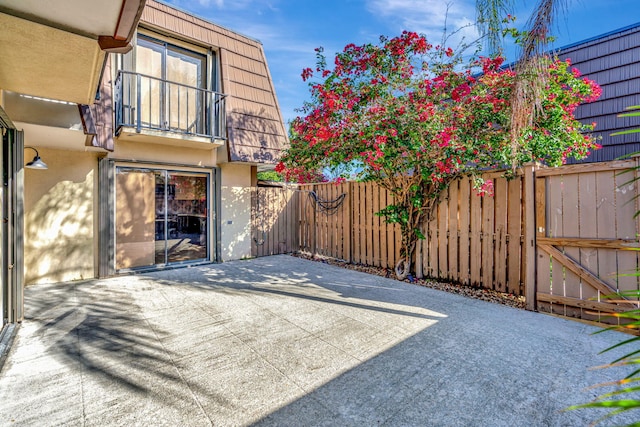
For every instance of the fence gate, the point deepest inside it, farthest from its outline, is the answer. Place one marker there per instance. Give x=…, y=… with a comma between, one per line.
x=586, y=238
x=274, y=220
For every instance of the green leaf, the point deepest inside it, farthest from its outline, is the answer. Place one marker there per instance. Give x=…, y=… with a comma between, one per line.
x=625, y=132
x=627, y=404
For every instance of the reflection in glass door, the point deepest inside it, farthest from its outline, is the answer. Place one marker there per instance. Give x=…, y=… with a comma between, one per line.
x=161, y=217
x=186, y=218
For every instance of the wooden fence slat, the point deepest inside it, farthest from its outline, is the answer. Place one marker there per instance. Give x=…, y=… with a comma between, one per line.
x=554, y=222
x=606, y=226
x=475, y=237
x=464, y=241
x=355, y=223
x=589, y=305
x=453, y=231
x=332, y=224
x=391, y=238
x=337, y=225
x=516, y=236
x=433, y=246
x=543, y=260
x=587, y=221
x=384, y=260
x=419, y=261
x=500, y=244
x=321, y=223
x=363, y=221
x=488, y=241
x=627, y=229
x=443, y=238
x=570, y=211
x=616, y=165
x=376, y=227
x=369, y=223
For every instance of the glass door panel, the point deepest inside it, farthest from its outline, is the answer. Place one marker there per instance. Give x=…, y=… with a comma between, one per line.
x=134, y=218
x=160, y=217
x=187, y=201
x=163, y=227
x=184, y=104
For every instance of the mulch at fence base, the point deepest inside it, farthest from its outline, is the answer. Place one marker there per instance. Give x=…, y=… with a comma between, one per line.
x=456, y=288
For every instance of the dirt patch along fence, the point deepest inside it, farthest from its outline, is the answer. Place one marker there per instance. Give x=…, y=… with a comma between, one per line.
x=562, y=237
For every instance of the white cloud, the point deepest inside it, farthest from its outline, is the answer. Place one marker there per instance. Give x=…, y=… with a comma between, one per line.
x=207, y=3
x=430, y=17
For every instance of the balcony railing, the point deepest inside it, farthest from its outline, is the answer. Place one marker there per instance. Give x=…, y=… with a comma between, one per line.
x=145, y=102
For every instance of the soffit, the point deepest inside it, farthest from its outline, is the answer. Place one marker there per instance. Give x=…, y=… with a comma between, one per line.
x=47, y=62
x=85, y=17
x=55, y=49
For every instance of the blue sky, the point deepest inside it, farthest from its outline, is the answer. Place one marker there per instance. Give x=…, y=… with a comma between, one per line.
x=290, y=30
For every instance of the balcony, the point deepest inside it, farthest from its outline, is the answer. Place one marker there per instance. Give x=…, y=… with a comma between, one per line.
x=149, y=109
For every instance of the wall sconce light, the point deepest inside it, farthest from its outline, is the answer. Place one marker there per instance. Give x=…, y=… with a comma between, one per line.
x=37, y=162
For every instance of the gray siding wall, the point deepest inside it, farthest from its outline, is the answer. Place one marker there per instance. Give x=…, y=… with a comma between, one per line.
x=613, y=61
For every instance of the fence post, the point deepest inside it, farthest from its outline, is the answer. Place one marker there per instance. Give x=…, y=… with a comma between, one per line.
x=529, y=229
x=254, y=222
x=348, y=236
x=296, y=214
x=312, y=226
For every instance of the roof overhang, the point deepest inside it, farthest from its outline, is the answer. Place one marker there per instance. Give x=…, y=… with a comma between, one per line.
x=57, y=50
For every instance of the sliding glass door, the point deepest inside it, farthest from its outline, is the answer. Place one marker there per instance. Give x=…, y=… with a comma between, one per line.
x=161, y=217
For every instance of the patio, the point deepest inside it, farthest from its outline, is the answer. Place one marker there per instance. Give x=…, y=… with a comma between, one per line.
x=285, y=341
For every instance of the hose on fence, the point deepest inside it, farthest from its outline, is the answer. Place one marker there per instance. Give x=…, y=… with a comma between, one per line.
x=328, y=207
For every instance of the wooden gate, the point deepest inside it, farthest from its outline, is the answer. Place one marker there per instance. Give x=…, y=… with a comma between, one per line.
x=274, y=220
x=586, y=238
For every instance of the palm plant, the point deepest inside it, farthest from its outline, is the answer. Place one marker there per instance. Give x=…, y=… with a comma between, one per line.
x=527, y=96
x=625, y=395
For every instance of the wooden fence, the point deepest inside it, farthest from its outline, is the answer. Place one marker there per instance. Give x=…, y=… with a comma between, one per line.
x=340, y=221
x=477, y=240
x=561, y=237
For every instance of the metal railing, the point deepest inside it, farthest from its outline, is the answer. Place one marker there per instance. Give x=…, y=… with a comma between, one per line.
x=145, y=102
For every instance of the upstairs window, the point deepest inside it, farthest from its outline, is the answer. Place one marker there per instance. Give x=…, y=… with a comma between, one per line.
x=165, y=87
x=170, y=63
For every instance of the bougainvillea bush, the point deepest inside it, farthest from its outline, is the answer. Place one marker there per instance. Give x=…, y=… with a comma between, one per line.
x=411, y=117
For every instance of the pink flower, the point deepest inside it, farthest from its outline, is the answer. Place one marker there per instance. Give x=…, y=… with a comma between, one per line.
x=307, y=73
x=460, y=92
x=486, y=189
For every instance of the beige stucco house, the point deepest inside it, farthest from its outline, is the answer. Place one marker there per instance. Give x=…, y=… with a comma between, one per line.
x=150, y=162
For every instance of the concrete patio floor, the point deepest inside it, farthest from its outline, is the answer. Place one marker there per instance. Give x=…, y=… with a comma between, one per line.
x=289, y=342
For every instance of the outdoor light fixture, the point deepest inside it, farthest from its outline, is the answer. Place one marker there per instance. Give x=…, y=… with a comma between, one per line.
x=37, y=162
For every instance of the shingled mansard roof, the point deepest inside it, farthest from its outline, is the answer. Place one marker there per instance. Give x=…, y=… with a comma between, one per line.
x=255, y=128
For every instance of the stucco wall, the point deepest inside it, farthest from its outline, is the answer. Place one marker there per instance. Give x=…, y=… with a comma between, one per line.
x=59, y=217
x=235, y=212
x=177, y=153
